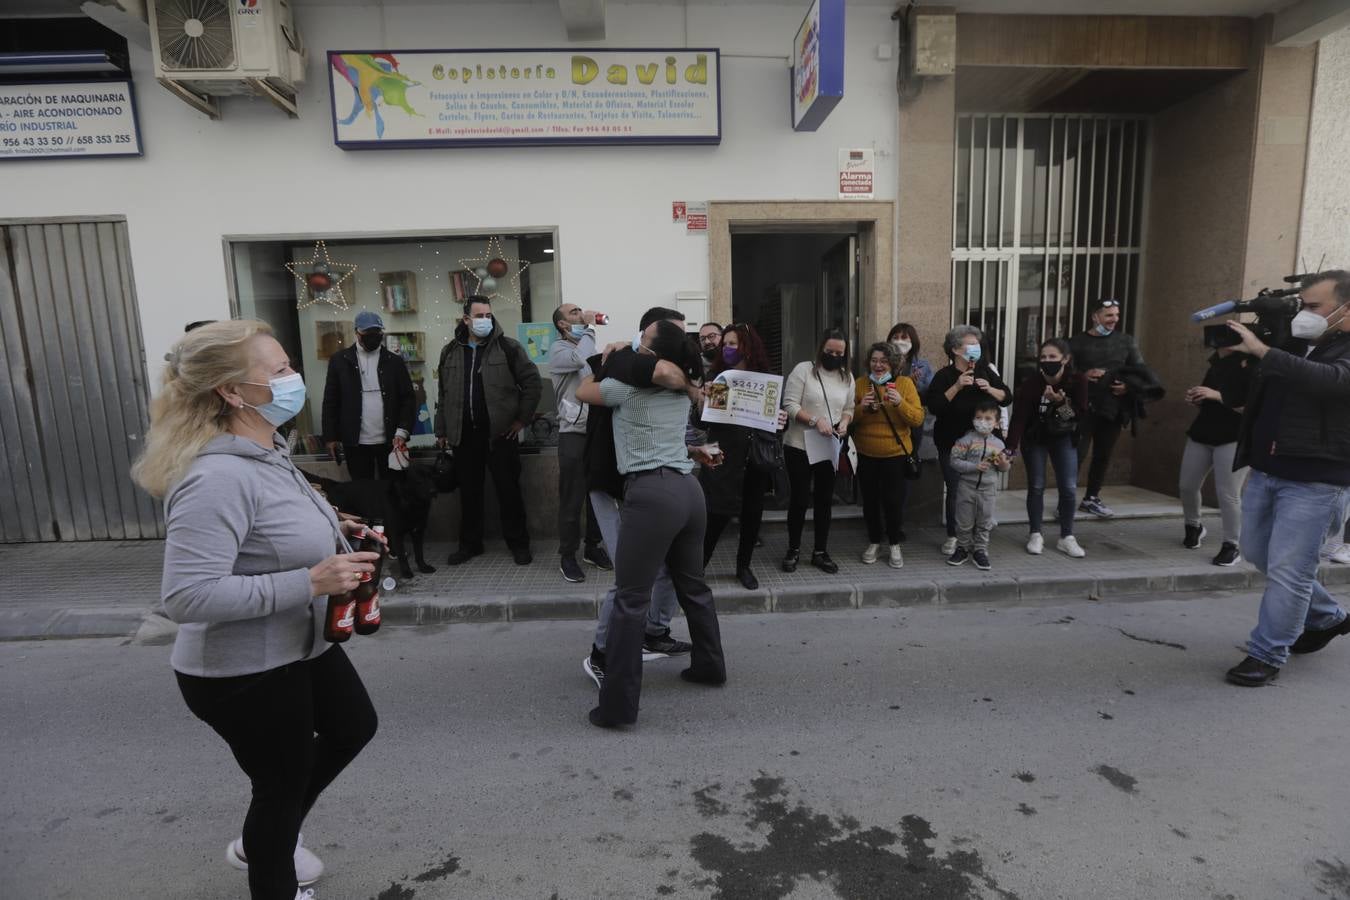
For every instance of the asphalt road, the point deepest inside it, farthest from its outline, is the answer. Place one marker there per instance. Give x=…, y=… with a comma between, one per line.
x=1079, y=751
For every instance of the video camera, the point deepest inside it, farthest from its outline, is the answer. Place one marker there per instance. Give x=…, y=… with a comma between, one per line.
x=1275, y=308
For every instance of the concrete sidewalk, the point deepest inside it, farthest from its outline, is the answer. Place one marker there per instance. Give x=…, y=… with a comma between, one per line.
x=110, y=589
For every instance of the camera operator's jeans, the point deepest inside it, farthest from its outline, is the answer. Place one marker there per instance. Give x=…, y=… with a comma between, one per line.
x=1283, y=526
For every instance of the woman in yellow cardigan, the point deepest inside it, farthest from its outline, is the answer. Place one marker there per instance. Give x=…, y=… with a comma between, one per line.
x=887, y=407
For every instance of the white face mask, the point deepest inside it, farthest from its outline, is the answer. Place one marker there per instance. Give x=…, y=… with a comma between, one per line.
x=1307, y=325
x=903, y=346
x=984, y=426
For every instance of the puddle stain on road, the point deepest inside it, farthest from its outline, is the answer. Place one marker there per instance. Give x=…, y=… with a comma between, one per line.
x=803, y=845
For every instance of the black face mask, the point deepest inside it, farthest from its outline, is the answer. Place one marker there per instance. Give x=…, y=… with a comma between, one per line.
x=1051, y=369
x=710, y=353
x=371, y=340
x=833, y=363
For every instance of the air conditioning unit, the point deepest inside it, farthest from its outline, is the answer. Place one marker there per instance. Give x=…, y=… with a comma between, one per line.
x=206, y=49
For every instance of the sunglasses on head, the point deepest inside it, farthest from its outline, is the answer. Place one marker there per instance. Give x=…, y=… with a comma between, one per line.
x=1109, y=304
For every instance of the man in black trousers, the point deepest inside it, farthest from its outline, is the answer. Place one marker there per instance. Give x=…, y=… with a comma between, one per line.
x=368, y=401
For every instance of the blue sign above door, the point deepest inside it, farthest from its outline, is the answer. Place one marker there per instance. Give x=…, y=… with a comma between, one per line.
x=818, y=64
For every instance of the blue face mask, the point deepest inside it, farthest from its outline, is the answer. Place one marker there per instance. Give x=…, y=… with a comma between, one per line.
x=578, y=330
x=973, y=353
x=288, y=398
x=637, y=343
x=879, y=379
x=481, y=327
x=1102, y=330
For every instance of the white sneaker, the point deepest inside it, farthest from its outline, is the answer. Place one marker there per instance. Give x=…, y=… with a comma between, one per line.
x=949, y=546
x=1035, y=544
x=870, y=554
x=308, y=867
x=897, y=560
x=1069, y=547
x=1341, y=555
x=305, y=894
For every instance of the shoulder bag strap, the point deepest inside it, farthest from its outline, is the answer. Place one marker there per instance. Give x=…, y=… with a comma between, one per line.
x=826, y=397
x=887, y=416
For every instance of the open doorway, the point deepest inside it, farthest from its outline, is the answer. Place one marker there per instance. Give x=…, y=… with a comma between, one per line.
x=791, y=286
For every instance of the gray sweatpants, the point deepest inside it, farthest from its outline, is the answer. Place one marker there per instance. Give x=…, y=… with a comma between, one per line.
x=975, y=510
x=664, y=600
x=663, y=519
x=1196, y=462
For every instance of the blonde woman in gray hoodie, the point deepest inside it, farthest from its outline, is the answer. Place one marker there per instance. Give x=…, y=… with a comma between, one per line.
x=250, y=556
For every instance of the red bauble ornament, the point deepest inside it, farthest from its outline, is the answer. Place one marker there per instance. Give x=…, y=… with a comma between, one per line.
x=497, y=267
x=319, y=281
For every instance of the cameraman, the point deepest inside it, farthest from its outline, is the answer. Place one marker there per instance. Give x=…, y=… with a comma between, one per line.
x=1296, y=437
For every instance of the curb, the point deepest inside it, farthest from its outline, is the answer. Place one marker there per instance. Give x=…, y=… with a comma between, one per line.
x=152, y=629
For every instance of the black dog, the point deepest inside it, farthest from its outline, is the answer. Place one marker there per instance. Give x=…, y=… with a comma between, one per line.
x=401, y=501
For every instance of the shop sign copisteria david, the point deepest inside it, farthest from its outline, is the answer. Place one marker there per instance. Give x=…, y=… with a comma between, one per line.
x=398, y=99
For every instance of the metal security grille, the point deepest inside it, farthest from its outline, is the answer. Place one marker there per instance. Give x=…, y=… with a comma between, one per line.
x=73, y=398
x=1048, y=217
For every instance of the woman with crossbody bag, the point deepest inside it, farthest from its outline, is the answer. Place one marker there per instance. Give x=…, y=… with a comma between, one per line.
x=818, y=396
x=1048, y=407
x=888, y=409
x=736, y=487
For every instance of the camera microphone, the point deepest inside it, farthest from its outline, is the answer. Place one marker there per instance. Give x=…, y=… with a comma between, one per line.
x=1218, y=309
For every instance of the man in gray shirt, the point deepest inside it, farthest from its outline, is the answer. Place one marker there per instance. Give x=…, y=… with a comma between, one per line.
x=567, y=364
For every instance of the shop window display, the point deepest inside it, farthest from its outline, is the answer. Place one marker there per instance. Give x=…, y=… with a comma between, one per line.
x=310, y=289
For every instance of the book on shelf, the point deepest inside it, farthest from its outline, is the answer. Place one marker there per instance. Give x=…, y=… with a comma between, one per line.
x=396, y=298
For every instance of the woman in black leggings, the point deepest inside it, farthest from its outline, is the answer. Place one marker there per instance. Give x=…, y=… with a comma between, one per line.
x=251, y=555
x=818, y=397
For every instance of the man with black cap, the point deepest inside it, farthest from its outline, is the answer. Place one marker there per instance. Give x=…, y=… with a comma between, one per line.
x=368, y=401
x=1099, y=353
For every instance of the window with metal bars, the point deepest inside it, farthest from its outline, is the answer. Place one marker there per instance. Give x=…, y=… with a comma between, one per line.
x=1048, y=217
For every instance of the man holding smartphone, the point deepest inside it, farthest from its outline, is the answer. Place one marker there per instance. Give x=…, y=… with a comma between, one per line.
x=1099, y=353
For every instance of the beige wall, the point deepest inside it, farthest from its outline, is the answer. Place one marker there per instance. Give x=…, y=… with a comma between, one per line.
x=1227, y=175
x=924, y=217
x=1324, y=235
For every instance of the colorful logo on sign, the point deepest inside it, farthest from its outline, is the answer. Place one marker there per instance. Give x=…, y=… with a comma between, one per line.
x=376, y=81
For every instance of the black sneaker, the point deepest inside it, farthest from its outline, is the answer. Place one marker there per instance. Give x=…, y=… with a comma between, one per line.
x=596, y=556
x=1251, y=672
x=747, y=578
x=664, y=645
x=1310, y=641
x=463, y=555
x=1228, y=555
x=594, y=667
x=570, y=570
x=522, y=556
x=1195, y=535
x=790, y=561
x=958, y=557
x=821, y=560
x=981, y=559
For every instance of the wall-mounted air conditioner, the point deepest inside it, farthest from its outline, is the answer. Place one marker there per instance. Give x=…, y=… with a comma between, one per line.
x=206, y=49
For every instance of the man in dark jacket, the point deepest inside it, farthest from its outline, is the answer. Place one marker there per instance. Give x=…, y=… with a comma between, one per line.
x=489, y=392
x=368, y=401
x=1099, y=353
x=1296, y=437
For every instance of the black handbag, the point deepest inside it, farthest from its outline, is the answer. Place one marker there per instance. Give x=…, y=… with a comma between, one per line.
x=913, y=466
x=443, y=473
x=766, y=451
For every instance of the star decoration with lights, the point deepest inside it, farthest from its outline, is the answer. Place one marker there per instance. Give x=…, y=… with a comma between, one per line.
x=489, y=269
x=321, y=281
